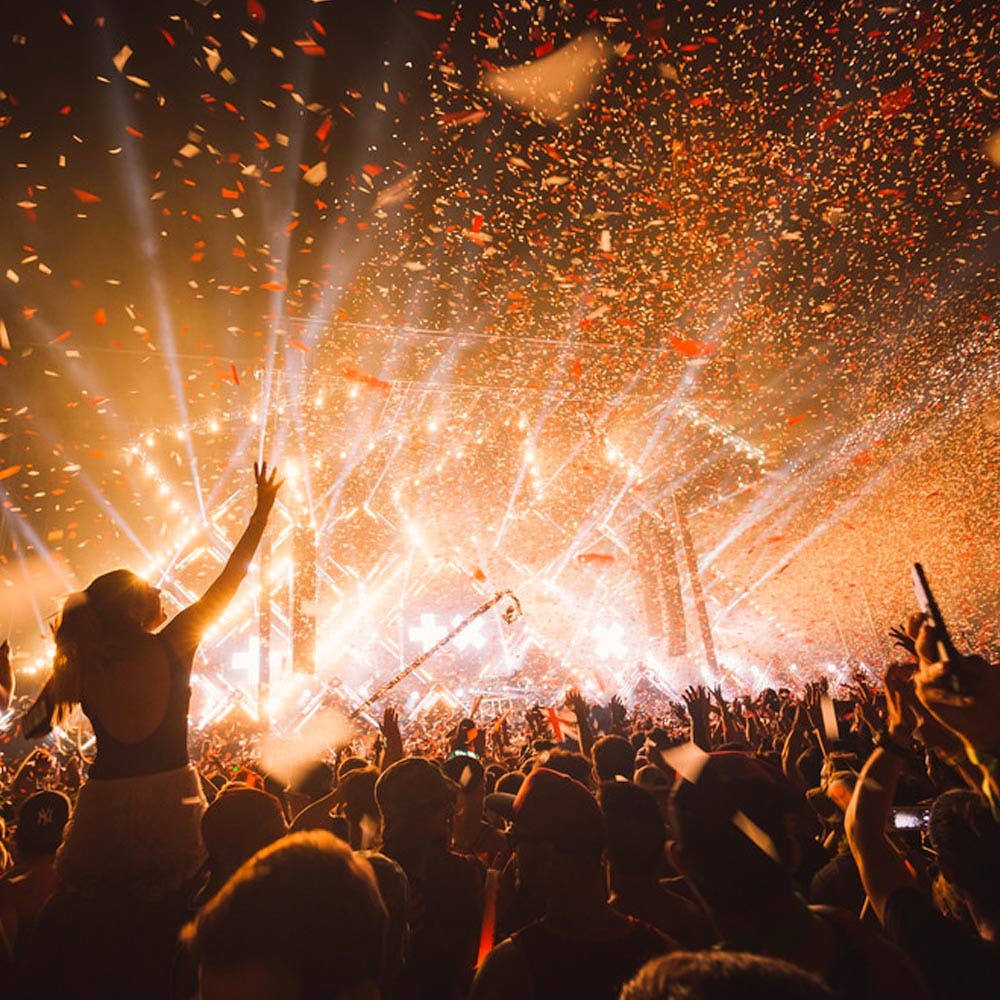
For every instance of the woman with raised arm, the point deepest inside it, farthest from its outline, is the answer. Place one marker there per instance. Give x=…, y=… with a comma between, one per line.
x=136, y=827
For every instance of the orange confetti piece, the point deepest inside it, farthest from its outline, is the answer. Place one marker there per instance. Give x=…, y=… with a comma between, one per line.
x=896, y=101
x=363, y=378
x=309, y=48
x=100, y=317
x=595, y=558
x=85, y=196
x=372, y=169
x=11, y=470
x=691, y=348
x=300, y=346
x=255, y=11
x=428, y=15
x=461, y=118
x=230, y=193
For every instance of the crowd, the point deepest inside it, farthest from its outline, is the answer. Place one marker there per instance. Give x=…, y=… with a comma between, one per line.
x=787, y=845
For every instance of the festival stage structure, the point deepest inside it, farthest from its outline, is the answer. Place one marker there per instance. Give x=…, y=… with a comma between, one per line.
x=379, y=548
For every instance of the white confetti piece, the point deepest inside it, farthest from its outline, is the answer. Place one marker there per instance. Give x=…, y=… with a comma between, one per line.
x=553, y=87
x=756, y=835
x=830, y=729
x=316, y=174
x=121, y=57
x=688, y=760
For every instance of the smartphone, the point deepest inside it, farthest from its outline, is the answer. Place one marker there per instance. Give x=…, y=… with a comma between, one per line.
x=925, y=599
x=911, y=817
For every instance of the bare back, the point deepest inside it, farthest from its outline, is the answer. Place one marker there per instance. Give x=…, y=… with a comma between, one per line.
x=129, y=696
x=138, y=703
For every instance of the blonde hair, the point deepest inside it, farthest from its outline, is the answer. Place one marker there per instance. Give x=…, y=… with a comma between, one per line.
x=91, y=627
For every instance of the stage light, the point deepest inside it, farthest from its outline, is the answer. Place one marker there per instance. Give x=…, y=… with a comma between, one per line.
x=609, y=641
x=471, y=636
x=428, y=633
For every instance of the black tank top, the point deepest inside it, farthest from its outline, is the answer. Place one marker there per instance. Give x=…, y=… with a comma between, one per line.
x=586, y=970
x=165, y=749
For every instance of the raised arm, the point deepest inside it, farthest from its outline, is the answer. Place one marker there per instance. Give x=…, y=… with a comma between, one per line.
x=795, y=743
x=881, y=866
x=6, y=677
x=579, y=707
x=965, y=697
x=698, y=704
x=191, y=623
x=393, y=738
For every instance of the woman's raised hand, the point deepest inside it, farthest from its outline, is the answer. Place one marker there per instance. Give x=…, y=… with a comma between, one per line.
x=268, y=485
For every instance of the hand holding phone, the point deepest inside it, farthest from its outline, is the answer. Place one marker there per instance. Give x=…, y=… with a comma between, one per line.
x=929, y=606
x=962, y=692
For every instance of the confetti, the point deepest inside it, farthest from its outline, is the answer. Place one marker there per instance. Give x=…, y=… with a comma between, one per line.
x=316, y=174
x=553, y=86
x=121, y=57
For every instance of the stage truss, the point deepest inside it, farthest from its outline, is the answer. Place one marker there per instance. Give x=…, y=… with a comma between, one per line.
x=398, y=557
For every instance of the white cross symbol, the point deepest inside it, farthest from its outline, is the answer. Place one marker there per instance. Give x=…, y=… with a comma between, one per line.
x=428, y=633
x=609, y=641
x=471, y=635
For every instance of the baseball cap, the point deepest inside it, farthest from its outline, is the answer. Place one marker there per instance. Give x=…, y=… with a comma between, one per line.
x=40, y=822
x=551, y=806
